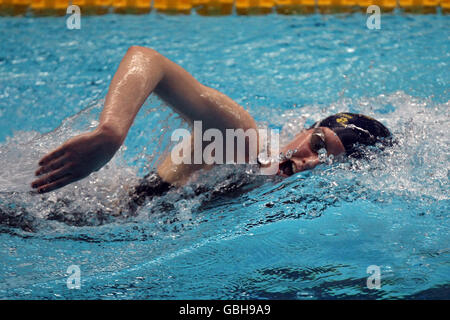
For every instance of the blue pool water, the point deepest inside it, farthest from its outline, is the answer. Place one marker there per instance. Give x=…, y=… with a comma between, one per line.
x=311, y=236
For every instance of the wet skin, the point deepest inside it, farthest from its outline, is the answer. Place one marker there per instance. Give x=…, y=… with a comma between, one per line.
x=144, y=71
x=305, y=158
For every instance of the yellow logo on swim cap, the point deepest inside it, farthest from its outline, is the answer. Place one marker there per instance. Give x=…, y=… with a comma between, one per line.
x=342, y=120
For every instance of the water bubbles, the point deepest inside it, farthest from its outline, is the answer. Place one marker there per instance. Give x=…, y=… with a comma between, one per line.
x=322, y=153
x=264, y=159
x=330, y=159
x=94, y=124
x=289, y=153
x=184, y=208
x=283, y=157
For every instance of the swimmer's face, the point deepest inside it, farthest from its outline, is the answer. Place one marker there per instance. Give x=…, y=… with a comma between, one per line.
x=305, y=157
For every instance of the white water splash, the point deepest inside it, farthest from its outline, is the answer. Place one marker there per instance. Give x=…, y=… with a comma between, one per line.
x=416, y=166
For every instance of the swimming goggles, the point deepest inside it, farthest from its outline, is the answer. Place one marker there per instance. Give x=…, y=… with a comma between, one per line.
x=318, y=141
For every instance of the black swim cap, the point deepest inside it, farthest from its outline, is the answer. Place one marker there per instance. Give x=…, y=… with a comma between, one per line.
x=356, y=129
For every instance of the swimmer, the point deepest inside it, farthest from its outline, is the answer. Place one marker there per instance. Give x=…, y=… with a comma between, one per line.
x=143, y=71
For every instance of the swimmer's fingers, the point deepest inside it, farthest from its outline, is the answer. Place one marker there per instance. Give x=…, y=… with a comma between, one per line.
x=52, y=165
x=52, y=155
x=65, y=180
x=54, y=176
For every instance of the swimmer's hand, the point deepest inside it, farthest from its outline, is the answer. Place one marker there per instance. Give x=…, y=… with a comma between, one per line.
x=76, y=159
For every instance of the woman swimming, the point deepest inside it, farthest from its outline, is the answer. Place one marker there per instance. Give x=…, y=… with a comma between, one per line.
x=143, y=71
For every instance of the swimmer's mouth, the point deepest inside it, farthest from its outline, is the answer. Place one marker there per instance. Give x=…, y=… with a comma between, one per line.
x=287, y=168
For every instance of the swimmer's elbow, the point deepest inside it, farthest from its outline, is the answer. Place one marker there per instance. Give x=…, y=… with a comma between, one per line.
x=133, y=50
x=149, y=58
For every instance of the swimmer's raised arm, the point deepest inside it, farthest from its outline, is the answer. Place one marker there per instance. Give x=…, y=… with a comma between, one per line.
x=141, y=72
